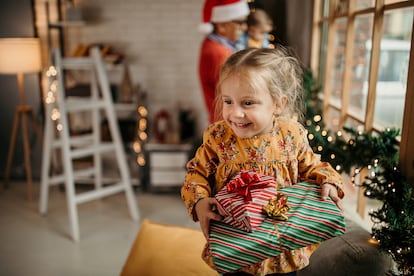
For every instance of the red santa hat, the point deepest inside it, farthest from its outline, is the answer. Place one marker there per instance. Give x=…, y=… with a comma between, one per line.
x=217, y=11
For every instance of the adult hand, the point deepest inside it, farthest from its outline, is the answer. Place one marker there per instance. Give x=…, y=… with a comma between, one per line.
x=204, y=210
x=331, y=191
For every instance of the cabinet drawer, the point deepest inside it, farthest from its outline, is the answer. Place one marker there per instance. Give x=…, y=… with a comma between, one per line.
x=168, y=159
x=167, y=178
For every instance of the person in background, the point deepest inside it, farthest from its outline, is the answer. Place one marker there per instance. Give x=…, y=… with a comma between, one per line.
x=259, y=24
x=224, y=21
x=260, y=100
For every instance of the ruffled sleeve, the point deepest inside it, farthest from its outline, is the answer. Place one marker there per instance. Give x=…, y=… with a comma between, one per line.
x=199, y=178
x=311, y=168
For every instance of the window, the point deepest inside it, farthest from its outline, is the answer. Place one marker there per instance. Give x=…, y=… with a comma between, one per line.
x=364, y=51
x=363, y=58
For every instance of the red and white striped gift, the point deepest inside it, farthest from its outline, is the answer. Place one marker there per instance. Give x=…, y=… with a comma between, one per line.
x=242, y=199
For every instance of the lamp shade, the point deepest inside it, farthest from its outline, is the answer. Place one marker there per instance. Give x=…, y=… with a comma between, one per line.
x=19, y=55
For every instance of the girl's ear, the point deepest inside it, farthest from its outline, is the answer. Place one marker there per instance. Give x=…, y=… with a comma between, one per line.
x=280, y=105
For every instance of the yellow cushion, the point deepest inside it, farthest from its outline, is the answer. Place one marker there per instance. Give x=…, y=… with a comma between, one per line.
x=166, y=250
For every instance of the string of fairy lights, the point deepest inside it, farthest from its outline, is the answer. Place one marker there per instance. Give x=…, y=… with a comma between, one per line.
x=371, y=159
x=55, y=115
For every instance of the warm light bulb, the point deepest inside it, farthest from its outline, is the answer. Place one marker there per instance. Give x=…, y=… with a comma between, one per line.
x=141, y=160
x=51, y=72
x=142, y=111
x=143, y=136
x=137, y=147
x=373, y=241
x=142, y=124
x=317, y=118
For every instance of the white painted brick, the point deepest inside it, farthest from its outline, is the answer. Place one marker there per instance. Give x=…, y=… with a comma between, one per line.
x=161, y=44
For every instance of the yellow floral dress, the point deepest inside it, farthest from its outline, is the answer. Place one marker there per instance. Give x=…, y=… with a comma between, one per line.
x=284, y=154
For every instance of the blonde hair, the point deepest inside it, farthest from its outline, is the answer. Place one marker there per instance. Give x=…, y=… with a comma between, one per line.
x=276, y=70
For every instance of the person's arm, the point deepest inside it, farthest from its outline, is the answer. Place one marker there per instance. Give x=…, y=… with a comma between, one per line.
x=196, y=190
x=311, y=168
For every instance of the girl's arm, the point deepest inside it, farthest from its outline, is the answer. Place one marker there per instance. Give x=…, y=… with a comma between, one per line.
x=200, y=176
x=311, y=168
x=197, y=187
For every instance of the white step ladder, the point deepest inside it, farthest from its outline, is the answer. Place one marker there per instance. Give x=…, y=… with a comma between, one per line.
x=57, y=138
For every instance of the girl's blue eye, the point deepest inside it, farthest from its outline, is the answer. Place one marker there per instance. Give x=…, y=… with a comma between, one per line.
x=248, y=103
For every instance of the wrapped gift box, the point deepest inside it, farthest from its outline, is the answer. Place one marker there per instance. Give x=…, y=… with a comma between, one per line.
x=310, y=220
x=240, y=201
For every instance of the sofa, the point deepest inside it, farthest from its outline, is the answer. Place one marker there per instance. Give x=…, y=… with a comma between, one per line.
x=161, y=249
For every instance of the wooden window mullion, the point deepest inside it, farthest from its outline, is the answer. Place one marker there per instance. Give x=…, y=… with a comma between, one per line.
x=374, y=64
x=316, y=36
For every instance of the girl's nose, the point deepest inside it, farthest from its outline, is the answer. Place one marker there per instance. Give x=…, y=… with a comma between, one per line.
x=238, y=112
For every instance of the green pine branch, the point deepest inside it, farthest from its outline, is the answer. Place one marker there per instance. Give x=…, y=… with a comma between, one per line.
x=394, y=221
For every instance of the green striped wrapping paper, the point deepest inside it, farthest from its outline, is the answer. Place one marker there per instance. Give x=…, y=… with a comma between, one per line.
x=310, y=221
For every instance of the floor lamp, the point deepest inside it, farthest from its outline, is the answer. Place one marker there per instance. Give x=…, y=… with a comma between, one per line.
x=19, y=56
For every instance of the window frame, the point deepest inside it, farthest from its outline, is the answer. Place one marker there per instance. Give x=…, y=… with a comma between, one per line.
x=378, y=10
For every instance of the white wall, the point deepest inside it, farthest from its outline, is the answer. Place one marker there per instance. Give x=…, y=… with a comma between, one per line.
x=161, y=44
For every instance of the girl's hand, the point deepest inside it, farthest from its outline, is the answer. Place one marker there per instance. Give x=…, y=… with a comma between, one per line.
x=204, y=210
x=331, y=191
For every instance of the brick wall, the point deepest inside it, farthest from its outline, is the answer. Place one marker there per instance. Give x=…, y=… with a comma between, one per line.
x=161, y=44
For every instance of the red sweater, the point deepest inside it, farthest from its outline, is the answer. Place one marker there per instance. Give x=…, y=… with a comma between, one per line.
x=212, y=56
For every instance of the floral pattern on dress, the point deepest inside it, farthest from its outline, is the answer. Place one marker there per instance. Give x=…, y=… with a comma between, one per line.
x=284, y=154
x=258, y=154
x=287, y=145
x=228, y=150
x=218, y=132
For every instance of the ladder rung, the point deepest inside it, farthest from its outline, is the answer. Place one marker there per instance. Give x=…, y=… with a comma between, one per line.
x=75, y=141
x=77, y=63
x=84, y=152
x=84, y=105
x=99, y=193
x=78, y=174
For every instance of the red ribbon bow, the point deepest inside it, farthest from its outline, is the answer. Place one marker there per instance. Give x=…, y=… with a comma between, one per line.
x=244, y=184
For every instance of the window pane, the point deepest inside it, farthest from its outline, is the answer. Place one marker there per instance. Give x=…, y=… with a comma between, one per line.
x=334, y=116
x=324, y=44
x=325, y=8
x=354, y=124
x=393, y=68
x=342, y=7
x=360, y=65
x=339, y=61
x=364, y=4
x=394, y=1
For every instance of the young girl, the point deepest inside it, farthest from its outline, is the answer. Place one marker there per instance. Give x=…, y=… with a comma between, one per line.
x=259, y=99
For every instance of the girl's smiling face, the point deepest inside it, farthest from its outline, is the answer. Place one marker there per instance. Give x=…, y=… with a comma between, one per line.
x=249, y=112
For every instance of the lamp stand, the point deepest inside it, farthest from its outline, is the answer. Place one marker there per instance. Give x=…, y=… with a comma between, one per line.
x=22, y=113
